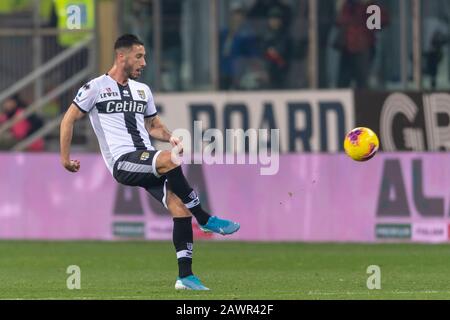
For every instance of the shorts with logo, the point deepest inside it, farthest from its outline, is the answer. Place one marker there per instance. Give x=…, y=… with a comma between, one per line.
x=138, y=168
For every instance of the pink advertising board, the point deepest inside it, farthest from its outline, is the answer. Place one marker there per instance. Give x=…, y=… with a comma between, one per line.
x=313, y=197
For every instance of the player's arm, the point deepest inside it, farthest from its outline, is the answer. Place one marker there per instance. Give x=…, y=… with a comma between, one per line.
x=66, y=133
x=157, y=130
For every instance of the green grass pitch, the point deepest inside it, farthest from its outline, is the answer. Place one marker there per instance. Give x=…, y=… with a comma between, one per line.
x=233, y=270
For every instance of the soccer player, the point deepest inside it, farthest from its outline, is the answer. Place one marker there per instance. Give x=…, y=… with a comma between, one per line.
x=124, y=117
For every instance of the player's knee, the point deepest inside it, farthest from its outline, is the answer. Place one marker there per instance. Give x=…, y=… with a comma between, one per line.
x=164, y=162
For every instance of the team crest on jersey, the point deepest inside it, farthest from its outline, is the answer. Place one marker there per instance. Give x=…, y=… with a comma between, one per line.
x=141, y=94
x=145, y=155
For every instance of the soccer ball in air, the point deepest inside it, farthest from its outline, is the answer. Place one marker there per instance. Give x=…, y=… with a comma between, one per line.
x=361, y=144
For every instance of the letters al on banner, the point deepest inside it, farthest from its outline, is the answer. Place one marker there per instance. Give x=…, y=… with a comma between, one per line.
x=308, y=120
x=406, y=121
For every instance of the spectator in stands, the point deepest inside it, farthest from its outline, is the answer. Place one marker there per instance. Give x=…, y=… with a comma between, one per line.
x=236, y=43
x=259, y=12
x=171, y=45
x=326, y=23
x=139, y=22
x=13, y=107
x=434, y=56
x=435, y=38
x=277, y=47
x=61, y=11
x=356, y=43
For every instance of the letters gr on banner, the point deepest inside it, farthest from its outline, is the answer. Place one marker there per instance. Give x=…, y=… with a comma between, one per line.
x=314, y=121
x=406, y=121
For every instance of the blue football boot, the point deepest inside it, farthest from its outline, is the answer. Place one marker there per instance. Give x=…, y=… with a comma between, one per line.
x=221, y=226
x=189, y=283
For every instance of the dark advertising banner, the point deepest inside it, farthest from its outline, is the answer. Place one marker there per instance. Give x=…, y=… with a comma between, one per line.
x=406, y=121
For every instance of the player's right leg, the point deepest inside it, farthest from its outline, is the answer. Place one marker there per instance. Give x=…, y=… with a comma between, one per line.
x=183, y=241
x=179, y=185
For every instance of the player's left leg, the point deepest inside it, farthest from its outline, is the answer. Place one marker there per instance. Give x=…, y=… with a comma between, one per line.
x=183, y=241
x=180, y=186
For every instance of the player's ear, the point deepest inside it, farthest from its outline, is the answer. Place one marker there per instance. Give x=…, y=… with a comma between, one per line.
x=120, y=54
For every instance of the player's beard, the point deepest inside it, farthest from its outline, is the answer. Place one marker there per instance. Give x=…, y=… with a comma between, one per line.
x=129, y=72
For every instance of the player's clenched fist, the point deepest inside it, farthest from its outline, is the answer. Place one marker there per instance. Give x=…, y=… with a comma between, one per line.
x=176, y=143
x=72, y=165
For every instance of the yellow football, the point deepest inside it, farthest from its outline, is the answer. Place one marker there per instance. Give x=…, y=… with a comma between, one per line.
x=361, y=144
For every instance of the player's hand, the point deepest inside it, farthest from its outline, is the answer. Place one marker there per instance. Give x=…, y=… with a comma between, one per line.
x=176, y=143
x=72, y=165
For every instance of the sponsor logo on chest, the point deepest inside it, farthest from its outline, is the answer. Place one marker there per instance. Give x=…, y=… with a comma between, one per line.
x=108, y=93
x=125, y=106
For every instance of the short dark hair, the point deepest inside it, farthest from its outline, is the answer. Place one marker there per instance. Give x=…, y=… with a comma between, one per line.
x=127, y=41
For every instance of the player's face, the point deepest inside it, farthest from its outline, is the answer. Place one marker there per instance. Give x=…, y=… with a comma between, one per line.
x=135, y=61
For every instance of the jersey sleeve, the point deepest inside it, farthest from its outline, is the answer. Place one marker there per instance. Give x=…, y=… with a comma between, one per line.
x=86, y=97
x=150, y=111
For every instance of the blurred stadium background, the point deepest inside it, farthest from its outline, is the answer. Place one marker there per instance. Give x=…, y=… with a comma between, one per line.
x=310, y=68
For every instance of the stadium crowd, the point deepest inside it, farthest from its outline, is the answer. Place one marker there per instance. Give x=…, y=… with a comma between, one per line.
x=261, y=45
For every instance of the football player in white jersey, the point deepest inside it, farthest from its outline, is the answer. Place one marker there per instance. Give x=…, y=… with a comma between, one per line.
x=123, y=115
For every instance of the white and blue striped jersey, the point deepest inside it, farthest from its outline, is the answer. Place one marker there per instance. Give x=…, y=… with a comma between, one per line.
x=117, y=115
